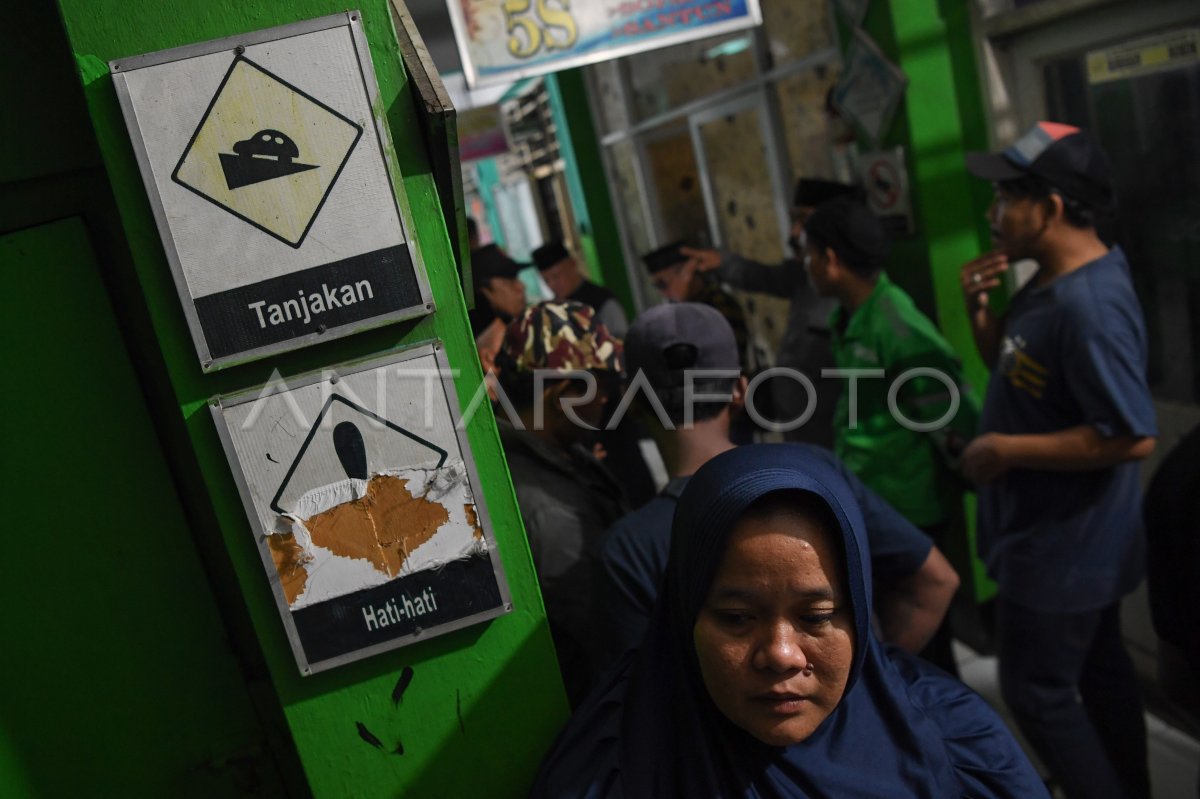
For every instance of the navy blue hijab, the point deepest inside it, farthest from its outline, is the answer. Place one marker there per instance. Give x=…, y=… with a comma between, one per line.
x=902, y=728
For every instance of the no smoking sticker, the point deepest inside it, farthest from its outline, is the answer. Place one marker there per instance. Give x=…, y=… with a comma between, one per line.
x=885, y=177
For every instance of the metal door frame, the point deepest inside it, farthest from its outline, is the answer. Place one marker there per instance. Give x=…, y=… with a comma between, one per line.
x=776, y=165
x=1023, y=56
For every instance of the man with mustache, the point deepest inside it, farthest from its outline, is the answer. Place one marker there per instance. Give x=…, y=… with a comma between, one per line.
x=1067, y=417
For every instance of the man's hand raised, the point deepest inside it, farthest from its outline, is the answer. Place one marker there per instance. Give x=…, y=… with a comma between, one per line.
x=702, y=260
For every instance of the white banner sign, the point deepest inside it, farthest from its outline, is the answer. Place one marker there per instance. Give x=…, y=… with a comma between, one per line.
x=501, y=41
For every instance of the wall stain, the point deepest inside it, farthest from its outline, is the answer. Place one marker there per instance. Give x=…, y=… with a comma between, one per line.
x=367, y=735
x=402, y=684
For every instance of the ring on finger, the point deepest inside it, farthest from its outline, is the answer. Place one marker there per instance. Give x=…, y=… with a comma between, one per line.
x=976, y=278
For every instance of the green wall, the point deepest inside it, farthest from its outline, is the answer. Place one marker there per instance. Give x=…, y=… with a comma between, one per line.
x=484, y=702
x=107, y=565
x=121, y=680
x=940, y=118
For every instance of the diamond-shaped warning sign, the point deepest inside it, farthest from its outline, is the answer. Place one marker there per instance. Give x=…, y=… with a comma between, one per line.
x=363, y=501
x=267, y=160
x=267, y=152
x=328, y=455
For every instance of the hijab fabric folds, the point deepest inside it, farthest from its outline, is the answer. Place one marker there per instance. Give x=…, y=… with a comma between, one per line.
x=902, y=728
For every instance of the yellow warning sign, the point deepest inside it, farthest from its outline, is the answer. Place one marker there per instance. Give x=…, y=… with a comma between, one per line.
x=1142, y=57
x=267, y=152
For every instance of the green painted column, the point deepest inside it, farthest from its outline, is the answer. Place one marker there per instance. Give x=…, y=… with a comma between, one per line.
x=484, y=702
x=941, y=189
x=934, y=127
x=587, y=183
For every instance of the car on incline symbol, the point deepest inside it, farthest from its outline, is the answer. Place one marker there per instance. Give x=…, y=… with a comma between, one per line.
x=266, y=155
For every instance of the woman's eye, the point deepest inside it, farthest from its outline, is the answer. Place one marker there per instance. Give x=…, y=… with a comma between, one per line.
x=818, y=619
x=732, y=618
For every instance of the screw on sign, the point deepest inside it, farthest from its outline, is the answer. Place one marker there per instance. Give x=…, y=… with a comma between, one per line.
x=883, y=183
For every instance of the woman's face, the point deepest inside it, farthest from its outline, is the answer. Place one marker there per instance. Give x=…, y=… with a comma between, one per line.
x=775, y=637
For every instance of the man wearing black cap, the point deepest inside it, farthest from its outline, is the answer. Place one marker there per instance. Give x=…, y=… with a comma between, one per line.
x=804, y=345
x=903, y=422
x=667, y=347
x=563, y=275
x=499, y=293
x=1067, y=416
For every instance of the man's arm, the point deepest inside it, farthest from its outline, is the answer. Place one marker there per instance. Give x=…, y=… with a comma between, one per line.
x=1075, y=449
x=779, y=281
x=978, y=277
x=623, y=594
x=911, y=608
x=928, y=399
x=913, y=581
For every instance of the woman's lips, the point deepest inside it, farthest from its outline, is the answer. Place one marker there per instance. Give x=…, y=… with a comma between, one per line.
x=784, y=703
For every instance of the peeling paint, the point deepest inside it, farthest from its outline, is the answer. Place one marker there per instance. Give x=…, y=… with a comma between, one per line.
x=357, y=534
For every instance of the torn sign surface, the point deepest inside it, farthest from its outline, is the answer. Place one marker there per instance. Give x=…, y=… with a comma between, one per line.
x=357, y=533
x=369, y=524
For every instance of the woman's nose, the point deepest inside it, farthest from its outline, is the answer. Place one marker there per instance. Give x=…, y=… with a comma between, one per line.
x=781, y=650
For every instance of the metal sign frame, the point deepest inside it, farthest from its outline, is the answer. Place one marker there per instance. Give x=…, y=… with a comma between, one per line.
x=475, y=79
x=218, y=405
x=863, y=57
x=235, y=45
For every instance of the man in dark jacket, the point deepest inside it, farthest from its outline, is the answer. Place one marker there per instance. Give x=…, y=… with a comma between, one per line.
x=557, y=366
x=804, y=345
x=565, y=277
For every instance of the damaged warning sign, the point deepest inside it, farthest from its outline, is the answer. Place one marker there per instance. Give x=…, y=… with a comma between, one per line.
x=363, y=499
x=265, y=161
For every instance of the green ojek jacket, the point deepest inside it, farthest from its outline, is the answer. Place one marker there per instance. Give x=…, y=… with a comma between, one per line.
x=912, y=469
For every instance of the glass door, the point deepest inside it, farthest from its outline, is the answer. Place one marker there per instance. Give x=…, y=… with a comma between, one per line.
x=746, y=202
x=740, y=172
x=1149, y=119
x=673, y=180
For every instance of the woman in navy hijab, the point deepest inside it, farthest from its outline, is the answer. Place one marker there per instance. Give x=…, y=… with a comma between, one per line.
x=760, y=676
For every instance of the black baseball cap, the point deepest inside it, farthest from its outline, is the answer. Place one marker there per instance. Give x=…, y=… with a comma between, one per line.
x=665, y=257
x=811, y=192
x=490, y=261
x=549, y=254
x=852, y=231
x=669, y=339
x=1065, y=157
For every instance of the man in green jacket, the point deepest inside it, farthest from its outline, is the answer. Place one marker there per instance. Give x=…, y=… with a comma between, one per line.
x=906, y=413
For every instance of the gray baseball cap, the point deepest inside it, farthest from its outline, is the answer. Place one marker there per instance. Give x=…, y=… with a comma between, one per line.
x=669, y=339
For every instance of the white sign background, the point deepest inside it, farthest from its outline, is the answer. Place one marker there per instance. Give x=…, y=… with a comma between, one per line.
x=263, y=431
x=217, y=251
x=408, y=394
